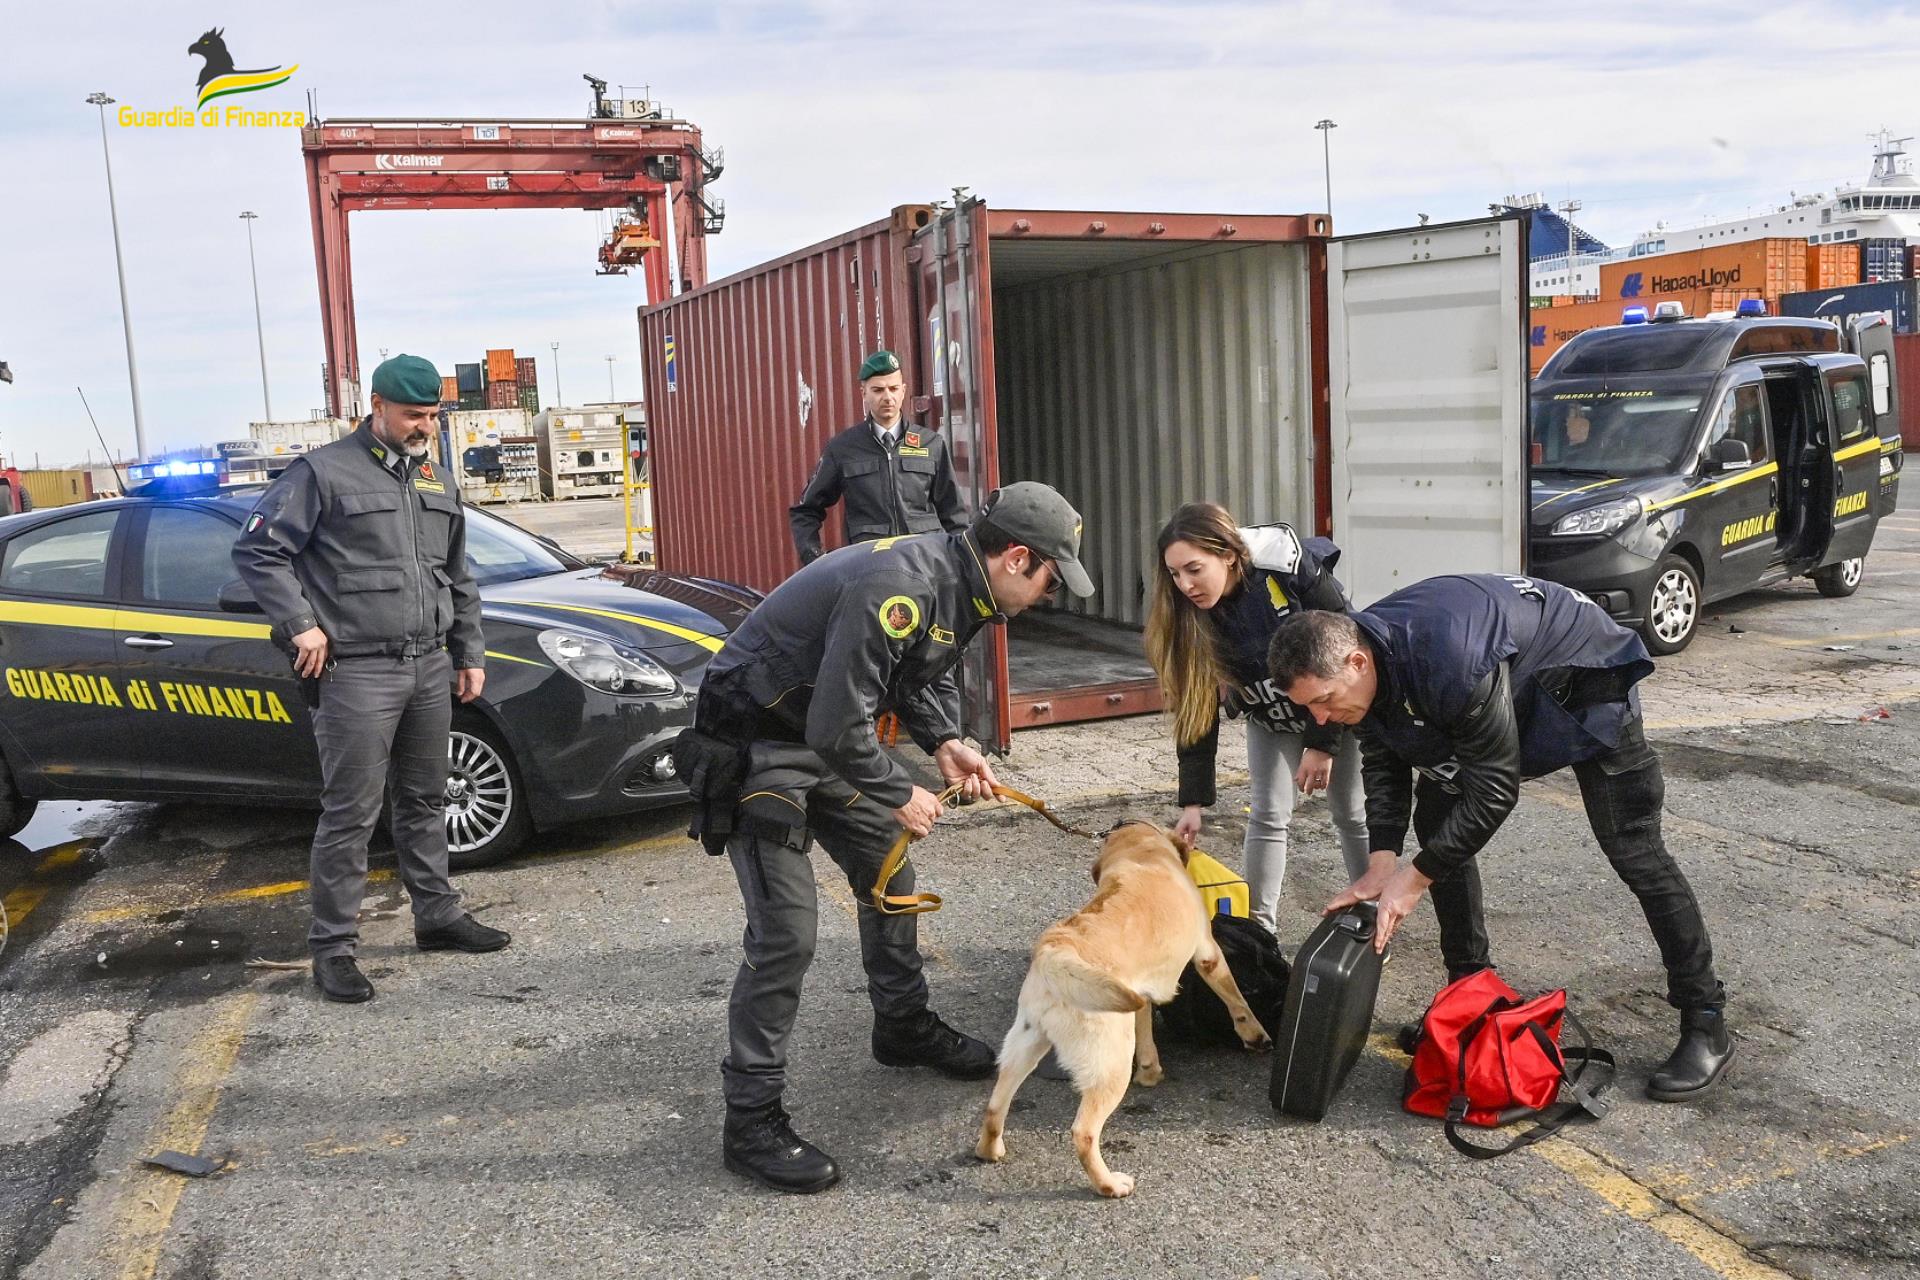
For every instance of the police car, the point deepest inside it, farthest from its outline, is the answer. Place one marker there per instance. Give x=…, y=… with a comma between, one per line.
x=137, y=667
x=1677, y=462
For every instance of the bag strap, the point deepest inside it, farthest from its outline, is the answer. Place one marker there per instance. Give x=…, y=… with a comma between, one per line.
x=1586, y=1100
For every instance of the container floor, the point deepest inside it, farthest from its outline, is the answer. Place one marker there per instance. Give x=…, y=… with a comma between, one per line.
x=1050, y=650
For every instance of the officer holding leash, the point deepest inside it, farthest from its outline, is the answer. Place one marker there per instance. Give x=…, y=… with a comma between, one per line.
x=783, y=752
x=357, y=554
x=893, y=477
x=1478, y=681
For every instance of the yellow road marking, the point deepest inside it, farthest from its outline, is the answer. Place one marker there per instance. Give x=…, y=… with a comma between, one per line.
x=1718, y=1252
x=20, y=903
x=280, y=889
x=149, y=1196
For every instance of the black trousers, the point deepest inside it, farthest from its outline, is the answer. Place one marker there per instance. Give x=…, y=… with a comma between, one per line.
x=1624, y=792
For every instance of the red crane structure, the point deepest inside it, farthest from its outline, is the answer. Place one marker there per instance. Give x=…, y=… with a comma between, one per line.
x=628, y=156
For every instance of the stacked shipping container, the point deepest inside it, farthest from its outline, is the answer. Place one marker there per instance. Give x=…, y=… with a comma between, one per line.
x=1550, y=327
x=1761, y=268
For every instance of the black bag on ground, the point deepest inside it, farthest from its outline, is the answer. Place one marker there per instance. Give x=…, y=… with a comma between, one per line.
x=1196, y=1016
x=1328, y=1015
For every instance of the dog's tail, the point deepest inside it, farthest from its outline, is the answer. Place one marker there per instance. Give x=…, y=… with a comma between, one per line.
x=1088, y=988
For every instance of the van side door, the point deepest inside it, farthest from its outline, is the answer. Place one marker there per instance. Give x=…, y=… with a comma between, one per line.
x=1856, y=461
x=1737, y=462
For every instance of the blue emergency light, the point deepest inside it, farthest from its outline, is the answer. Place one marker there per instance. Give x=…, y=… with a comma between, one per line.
x=1750, y=307
x=1634, y=315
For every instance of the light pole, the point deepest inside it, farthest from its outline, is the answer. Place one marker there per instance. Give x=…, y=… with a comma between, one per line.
x=259, y=327
x=1567, y=209
x=1326, y=128
x=611, y=397
x=101, y=101
x=557, y=398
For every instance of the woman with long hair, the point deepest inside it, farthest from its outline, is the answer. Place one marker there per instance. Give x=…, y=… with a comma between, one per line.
x=1222, y=591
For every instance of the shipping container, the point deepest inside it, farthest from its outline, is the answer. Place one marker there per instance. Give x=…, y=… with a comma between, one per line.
x=580, y=452
x=526, y=371
x=1906, y=372
x=1766, y=268
x=1831, y=265
x=1913, y=262
x=57, y=488
x=1883, y=260
x=1899, y=300
x=1549, y=330
x=500, y=365
x=299, y=436
x=471, y=377
x=471, y=401
x=503, y=395
x=449, y=391
x=1373, y=387
x=529, y=398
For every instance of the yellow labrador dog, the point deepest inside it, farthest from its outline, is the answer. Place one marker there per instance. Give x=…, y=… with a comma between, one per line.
x=1094, y=980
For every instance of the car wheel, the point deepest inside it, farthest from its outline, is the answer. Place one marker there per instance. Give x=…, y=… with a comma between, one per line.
x=15, y=810
x=487, y=819
x=1673, y=607
x=1840, y=580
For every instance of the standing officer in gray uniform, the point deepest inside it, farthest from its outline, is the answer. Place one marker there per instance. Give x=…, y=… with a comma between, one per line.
x=357, y=554
x=893, y=477
x=783, y=752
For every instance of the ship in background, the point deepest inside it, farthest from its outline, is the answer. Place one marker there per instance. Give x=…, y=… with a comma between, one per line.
x=1566, y=260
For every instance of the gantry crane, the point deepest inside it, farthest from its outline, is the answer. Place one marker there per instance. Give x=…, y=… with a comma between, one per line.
x=627, y=155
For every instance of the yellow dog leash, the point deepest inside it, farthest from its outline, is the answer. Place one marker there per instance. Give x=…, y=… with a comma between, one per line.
x=912, y=905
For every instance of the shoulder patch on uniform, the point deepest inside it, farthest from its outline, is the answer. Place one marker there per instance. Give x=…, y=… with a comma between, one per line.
x=1275, y=594
x=899, y=616
x=913, y=439
x=254, y=522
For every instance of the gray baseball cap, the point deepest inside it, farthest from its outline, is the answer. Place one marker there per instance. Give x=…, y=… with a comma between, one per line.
x=1036, y=516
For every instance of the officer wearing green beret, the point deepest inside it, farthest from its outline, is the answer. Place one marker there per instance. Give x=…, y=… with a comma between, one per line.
x=893, y=477
x=357, y=555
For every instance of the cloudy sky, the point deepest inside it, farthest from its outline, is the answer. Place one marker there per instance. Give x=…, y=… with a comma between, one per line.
x=831, y=113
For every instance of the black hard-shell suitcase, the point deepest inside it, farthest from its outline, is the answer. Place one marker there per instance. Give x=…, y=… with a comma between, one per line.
x=1329, y=1013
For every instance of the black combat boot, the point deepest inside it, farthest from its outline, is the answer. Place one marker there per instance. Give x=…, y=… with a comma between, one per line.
x=1705, y=1049
x=922, y=1040
x=762, y=1145
x=339, y=978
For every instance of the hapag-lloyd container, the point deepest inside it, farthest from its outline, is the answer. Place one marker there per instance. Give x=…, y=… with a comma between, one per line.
x=1373, y=387
x=1768, y=268
x=1549, y=328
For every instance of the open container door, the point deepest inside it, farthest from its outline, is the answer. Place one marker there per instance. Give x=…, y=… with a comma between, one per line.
x=953, y=313
x=1427, y=398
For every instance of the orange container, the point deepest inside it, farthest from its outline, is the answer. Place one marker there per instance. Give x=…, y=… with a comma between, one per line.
x=1767, y=268
x=500, y=367
x=1830, y=266
x=1549, y=328
x=449, y=390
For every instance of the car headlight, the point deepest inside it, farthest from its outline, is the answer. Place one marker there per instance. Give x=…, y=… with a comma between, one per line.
x=610, y=668
x=1606, y=518
x=1886, y=466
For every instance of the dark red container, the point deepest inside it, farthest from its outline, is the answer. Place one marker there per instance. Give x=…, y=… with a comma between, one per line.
x=503, y=395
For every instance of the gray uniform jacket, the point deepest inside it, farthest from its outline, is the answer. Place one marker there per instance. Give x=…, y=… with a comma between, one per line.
x=377, y=560
x=862, y=630
x=886, y=495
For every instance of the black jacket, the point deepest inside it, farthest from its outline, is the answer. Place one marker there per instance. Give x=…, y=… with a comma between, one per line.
x=1486, y=679
x=375, y=558
x=862, y=630
x=1285, y=576
x=910, y=490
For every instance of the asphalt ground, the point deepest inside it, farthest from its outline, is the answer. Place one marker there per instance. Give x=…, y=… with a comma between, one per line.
x=554, y=1109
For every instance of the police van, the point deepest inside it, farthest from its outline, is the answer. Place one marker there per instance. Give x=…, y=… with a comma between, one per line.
x=1677, y=461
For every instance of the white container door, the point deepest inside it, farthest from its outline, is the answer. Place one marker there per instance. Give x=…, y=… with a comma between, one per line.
x=1427, y=364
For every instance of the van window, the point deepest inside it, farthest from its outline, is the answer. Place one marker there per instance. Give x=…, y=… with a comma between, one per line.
x=1770, y=340
x=1882, y=376
x=1742, y=416
x=1850, y=417
x=1613, y=432
x=65, y=558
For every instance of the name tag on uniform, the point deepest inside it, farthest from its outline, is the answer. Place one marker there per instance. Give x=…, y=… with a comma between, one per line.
x=907, y=451
x=426, y=482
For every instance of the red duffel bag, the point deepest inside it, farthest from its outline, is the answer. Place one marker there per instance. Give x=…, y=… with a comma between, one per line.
x=1487, y=1057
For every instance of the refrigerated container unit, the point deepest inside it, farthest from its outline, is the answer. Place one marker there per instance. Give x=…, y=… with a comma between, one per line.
x=1372, y=387
x=474, y=441
x=471, y=378
x=275, y=438
x=580, y=452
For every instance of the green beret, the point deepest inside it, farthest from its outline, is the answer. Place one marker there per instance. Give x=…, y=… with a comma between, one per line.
x=407, y=380
x=878, y=363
